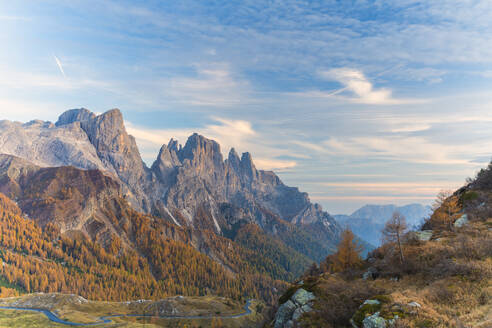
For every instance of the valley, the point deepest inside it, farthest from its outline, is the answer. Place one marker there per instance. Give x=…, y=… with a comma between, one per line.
x=62, y=310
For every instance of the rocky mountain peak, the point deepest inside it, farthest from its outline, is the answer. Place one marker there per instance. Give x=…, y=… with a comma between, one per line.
x=173, y=145
x=248, y=167
x=112, y=119
x=167, y=161
x=201, y=151
x=234, y=160
x=75, y=115
x=116, y=149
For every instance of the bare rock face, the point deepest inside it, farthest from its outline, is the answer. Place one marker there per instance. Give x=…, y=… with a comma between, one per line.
x=44, y=144
x=84, y=140
x=165, y=166
x=211, y=192
x=75, y=115
x=115, y=148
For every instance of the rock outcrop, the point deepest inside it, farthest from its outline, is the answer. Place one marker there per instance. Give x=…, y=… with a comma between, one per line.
x=461, y=221
x=369, y=314
x=374, y=321
x=289, y=313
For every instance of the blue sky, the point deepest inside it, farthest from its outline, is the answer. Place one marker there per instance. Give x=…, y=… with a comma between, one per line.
x=355, y=102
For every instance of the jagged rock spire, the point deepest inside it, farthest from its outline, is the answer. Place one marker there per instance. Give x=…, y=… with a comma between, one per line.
x=234, y=160
x=248, y=167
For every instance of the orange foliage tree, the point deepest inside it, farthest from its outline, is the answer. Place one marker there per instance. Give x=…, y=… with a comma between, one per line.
x=347, y=255
x=446, y=209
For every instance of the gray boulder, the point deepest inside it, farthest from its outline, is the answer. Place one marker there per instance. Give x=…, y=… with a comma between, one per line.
x=462, y=221
x=306, y=308
x=284, y=314
x=302, y=296
x=289, y=324
x=372, y=273
x=300, y=311
x=374, y=321
x=424, y=235
x=297, y=314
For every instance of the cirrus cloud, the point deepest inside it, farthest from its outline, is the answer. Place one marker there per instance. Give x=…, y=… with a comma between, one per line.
x=360, y=89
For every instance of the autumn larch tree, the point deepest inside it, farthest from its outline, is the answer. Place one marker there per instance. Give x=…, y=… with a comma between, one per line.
x=347, y=255
x=393, y=231
x=445, y=210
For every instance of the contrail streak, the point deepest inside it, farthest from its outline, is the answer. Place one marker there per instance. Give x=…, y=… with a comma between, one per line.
x=58, y=62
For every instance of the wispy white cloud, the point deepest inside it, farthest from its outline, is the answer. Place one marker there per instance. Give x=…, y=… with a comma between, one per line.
x=364, y=199
x=59, y=64
x=406, y=149
x=360, y=88
x=273, y=164
x=213, y=85
x=23, y=80
x=310, y=146
x=25, y=110
x=429, y=188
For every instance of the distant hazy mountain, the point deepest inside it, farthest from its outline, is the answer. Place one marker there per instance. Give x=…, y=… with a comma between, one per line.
x=368, y=221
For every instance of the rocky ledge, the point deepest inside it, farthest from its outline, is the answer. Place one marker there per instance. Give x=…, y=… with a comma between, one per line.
x=289, y=313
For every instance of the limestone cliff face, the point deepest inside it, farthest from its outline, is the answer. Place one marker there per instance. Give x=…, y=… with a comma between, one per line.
x=190, y=185
x=81, y=139
x=44, y=144
x=201, y=184
x=115, y=148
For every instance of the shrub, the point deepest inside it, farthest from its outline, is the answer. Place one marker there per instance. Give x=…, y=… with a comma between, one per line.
x=364, y=310
x=469, y=247
x=484, y=298
x=469, y=196
x=288, y=294
x=338, y=300
x=442, y=294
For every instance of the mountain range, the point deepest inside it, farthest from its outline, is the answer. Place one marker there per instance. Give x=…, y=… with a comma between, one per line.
x=368, y=221
x=84, y=178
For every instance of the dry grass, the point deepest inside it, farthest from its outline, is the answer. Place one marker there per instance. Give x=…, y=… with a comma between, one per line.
x=449, y=276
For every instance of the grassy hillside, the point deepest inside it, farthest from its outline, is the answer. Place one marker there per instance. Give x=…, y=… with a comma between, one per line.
x=442, y=282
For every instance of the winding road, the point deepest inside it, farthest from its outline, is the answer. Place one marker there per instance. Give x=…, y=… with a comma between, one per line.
x=107, y=318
